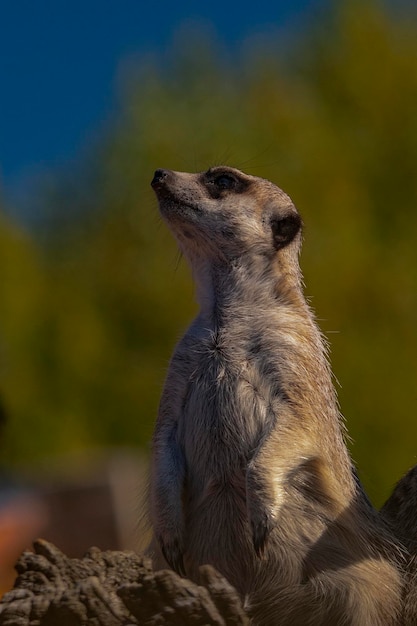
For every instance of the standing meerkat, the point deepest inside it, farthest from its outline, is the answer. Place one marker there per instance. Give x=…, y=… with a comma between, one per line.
x=250, y=471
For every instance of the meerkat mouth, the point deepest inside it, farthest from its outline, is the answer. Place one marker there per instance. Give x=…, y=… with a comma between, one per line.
x=169, y=203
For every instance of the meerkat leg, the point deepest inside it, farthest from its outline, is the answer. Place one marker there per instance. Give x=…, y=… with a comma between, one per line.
x=167, y=492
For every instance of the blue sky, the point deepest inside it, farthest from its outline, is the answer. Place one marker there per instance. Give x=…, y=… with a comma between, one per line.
x=59, y=62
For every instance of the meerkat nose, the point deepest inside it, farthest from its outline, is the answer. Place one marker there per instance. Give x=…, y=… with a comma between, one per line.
x=160, y=177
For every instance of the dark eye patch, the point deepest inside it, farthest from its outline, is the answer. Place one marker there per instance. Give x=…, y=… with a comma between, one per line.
x=219, y=182
x=225, y=181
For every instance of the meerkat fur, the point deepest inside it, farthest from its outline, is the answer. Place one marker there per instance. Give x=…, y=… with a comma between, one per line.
x=250, y=471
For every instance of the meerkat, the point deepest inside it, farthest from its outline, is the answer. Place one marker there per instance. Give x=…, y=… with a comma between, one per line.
x=250, y=472
x=400, y=511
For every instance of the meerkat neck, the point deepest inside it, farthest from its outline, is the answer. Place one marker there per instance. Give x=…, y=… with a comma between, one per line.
x=222, y=288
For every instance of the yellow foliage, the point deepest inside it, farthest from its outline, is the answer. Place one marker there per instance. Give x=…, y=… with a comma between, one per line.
x=88, y=321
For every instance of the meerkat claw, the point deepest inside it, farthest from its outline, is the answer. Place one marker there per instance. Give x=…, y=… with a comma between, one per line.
x=260, y=534
x=174, y=557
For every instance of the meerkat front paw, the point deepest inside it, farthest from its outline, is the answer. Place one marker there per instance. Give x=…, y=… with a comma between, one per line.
x=173, y=552
x=259, y=509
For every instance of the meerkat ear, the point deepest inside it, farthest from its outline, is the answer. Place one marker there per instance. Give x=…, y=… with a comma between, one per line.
x=284, y=228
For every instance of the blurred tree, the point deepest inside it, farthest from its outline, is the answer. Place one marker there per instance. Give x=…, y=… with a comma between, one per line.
x=89, y=318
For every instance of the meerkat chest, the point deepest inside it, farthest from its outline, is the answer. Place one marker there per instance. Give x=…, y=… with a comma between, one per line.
x=225, y=410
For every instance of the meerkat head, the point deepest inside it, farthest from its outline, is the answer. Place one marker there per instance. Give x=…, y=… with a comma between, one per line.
x=224, y=214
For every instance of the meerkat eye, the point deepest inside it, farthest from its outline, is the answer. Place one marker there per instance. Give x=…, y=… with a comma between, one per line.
x=225, y=181
x=220, y=182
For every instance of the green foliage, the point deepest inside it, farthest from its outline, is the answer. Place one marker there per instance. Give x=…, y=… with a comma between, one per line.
x=89, y=318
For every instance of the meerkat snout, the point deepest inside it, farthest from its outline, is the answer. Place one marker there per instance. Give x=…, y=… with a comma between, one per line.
x=160, y=177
